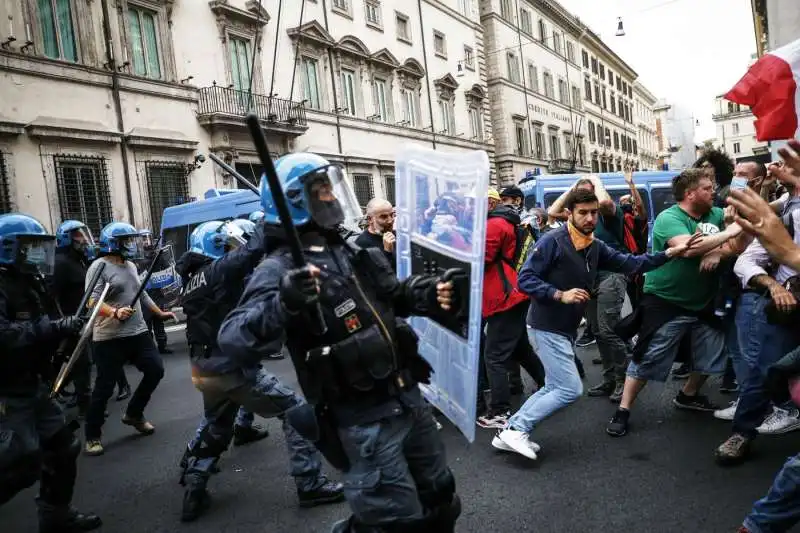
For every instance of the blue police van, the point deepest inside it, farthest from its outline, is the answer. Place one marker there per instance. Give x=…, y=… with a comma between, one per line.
x=178, y=221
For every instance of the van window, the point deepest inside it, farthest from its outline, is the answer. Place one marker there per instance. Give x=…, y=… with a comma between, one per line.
x=178, y=238
x=617, y=194
x=551, y=197
x=530, y=201
x=662, y=199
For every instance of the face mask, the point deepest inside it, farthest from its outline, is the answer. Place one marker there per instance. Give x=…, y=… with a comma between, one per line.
x=129, y=250
x=627, y=208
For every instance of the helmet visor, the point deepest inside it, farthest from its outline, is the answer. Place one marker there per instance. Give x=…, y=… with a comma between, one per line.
x=36, y=253
x=131, y=247
x=235, y=237
x=82, y=239
x=331, y=200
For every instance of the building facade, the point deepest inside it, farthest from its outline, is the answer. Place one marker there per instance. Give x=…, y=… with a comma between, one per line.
x=675, y=132
x=644, y=113
x=736, y=132
x=109, y=102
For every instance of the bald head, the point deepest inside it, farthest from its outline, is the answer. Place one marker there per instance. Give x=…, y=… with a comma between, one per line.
x=380, y=215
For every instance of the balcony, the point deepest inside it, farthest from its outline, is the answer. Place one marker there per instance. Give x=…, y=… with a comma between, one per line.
x=223, y=106
x=561, y=166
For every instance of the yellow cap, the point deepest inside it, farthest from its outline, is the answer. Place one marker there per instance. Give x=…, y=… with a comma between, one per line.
x=493, y=194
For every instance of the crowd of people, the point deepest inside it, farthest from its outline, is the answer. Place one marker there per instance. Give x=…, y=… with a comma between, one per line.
x=715, y=292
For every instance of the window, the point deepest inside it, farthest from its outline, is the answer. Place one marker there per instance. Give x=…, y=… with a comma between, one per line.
x=388, y=188
x=596, y=93
x=592, y=133
x=506, y=10
x=363, y=187
x=538, y=137
x=533, y=77
x=6, y=205
x=521, y=138
x=409, y=107
x=737, y=148
x=349, y=92
x=635, y=148
x=548, y=85
x=83, y=190
x=240, y=63
x=594, y=65
x=310, y=83
x=525, y=21
x=167, y=185
x=373, y=10
x=624, y=87
x=448, y=120
x=610, y=77
x=570, y=51
x=576, y=97
x=587, y=89
x=557, y=43
x=475, y=129
x=341, y=5
x=568, y=145
x=55, y=19
x=555, y=147
x=469, y=58
x=585, y=58
x=144, y=43
x=730, y=107
x=621, y=107
x=542, y=31
x=619, y=83
x=602, y=71
x=608, y=137
x=403, y=29
x=605, y=105
x=613, y=104
x=616, y=141
x=595, y=166
x=439, y=44
x=513, y=68
x=563, y=95
x=380, y=95
x=463, y=6
x=735, y=127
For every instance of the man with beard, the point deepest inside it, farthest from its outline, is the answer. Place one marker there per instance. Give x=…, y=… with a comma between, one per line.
x=380, y=229
x=678, y=300
x=559, y=276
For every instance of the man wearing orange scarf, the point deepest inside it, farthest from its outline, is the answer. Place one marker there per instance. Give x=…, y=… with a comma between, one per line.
x=559, y=276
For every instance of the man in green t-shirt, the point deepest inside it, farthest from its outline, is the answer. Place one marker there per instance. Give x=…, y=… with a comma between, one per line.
x=674, y=296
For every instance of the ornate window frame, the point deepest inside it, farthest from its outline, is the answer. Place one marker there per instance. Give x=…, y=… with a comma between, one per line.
x=383, y=65
x=82, y=27
x=409, y=78
x=244, y=24
x=446, y=87
x=166, y=50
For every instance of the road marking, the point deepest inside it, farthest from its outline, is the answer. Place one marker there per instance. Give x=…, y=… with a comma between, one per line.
x=177, y=327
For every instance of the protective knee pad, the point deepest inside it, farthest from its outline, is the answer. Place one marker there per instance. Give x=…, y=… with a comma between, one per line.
x=21, y=474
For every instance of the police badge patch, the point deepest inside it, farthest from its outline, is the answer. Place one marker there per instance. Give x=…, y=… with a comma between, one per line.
x=352, y=323
x=344, y=308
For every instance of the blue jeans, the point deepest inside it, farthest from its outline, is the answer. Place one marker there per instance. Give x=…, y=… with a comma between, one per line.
x=761, y=344
x=264, y=395
x=778, y=511
x=562, y=384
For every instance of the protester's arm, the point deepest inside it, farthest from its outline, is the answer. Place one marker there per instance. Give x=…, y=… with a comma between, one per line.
x=640, y=208
x=557, y=210
x=606, y=204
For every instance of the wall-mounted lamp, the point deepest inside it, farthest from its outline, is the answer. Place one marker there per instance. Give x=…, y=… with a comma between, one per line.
x=199, y=159
x=187, y=79
x=620, y=29
x=25, y=47
x=230, y=86
x=124, y=66
x=7, y=43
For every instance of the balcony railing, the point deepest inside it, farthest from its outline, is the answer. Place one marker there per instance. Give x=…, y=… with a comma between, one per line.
x=228, y=101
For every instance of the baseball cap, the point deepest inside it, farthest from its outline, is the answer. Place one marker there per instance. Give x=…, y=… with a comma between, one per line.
x=493, y=194
x=512, y=192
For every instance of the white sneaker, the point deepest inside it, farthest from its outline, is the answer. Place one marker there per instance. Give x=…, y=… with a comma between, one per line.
x=498, y=444
x=518, y=442
x=780, y=421
x=728, y=412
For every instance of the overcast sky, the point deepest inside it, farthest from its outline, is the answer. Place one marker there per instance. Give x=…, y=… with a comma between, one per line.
x=687, y=51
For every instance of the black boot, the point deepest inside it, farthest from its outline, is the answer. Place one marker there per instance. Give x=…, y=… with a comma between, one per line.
x=246, y=434
x=328, y=492
x=195, y=502
x=67, y=520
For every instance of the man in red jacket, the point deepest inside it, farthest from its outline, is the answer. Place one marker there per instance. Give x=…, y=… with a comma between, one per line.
x=504, y=308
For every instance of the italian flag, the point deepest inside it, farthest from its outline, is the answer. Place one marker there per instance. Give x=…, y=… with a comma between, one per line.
x=770, y=88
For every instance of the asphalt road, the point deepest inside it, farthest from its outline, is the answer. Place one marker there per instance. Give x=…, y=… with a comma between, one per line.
x=659, y=479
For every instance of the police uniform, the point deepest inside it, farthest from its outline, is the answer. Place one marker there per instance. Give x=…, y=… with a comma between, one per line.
x=361, y=374
x=35, y=440
x=211, y=289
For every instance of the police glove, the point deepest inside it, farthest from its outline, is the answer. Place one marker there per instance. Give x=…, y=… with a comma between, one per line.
x=68, y=326
x=299, y=288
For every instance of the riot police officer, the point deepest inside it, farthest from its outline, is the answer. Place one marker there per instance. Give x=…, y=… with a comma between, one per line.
x=369, y=417
x=75, y=248
x=213, y=271
x=256, y=216
x=35, y=441
x=154, y=325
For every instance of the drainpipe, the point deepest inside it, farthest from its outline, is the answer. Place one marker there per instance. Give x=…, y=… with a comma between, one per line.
x=333, y=82
x=427, y=73
x=117, y=107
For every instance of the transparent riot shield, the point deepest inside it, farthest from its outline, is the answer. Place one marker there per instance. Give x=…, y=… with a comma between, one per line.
x=165, y=284
x=441, y=224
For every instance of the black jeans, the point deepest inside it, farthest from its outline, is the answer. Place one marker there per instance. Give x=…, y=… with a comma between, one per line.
x=156, y=327
x=109, y=358
x=506, y=341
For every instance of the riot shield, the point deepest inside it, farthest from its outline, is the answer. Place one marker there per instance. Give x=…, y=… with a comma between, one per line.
x=441, y=224
x=164, y=285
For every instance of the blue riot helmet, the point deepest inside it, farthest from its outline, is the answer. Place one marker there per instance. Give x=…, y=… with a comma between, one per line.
x=213, y=239
x=256, y=216
x=247, y=227
x=147, y=238
x=316, y=191
x=26, y=245
x=123, y=239
x=75, y=234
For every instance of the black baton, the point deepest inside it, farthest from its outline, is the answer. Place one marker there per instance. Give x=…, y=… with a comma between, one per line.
x=146, y=278
x=279, y=198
